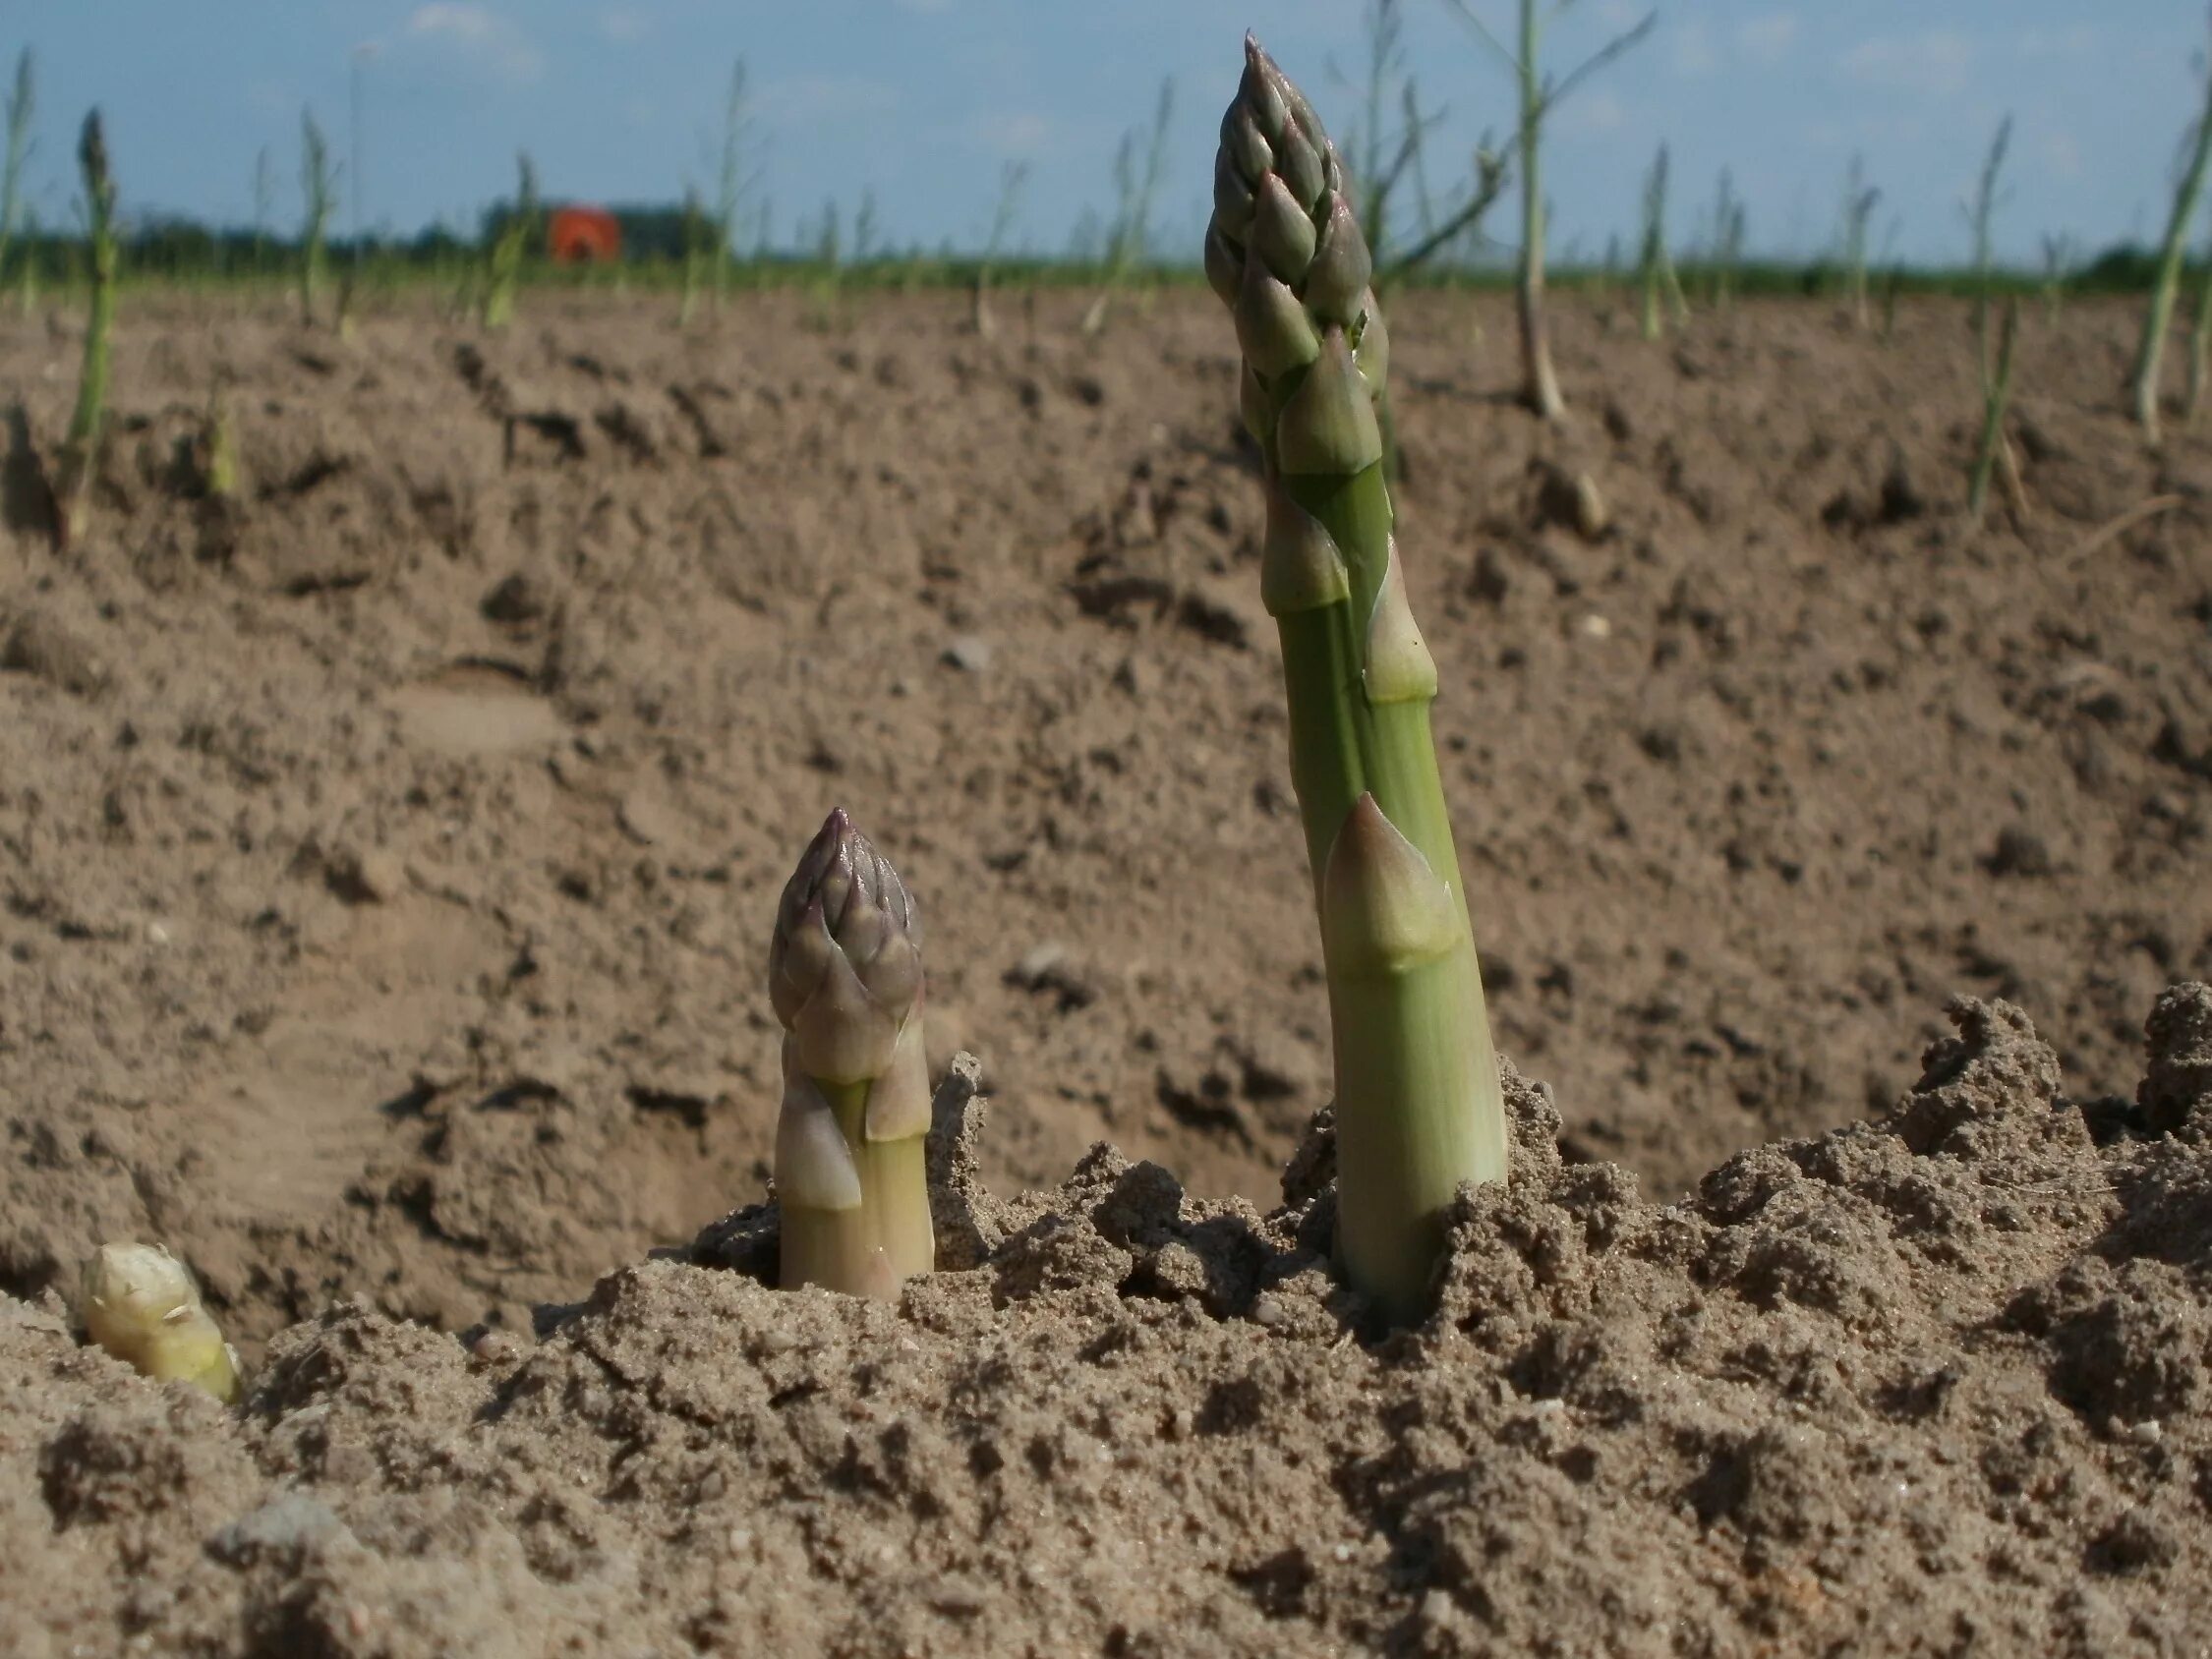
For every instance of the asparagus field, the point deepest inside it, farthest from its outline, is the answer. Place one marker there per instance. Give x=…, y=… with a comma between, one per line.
x=390, y=844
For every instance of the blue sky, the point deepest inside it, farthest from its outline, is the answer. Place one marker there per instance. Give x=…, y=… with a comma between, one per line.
x=924, y=100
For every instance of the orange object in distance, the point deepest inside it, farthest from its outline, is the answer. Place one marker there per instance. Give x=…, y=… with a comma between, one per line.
x=582, y=236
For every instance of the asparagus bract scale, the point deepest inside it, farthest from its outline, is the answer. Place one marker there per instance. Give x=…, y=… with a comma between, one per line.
x=1418, y=1107
x=844, y=974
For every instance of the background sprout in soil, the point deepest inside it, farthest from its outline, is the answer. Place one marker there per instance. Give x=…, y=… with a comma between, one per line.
x=1661, y=287
x=23, y=102
x=1540, y=95
x=845, y=973
x=318, y=198
x=87, y=424
x=139, y=1304
x=2151, y=349
x=1417, y=1102
x=503, y=266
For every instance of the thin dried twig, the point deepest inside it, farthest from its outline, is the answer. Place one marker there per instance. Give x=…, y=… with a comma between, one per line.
x=2121, y=526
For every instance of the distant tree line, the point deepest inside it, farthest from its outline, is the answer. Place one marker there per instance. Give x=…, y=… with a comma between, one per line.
x=654, y=233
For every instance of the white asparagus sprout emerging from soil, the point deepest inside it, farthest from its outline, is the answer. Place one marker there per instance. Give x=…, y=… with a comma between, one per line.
x=845, y=975
x=140, y=1305
x=1417, y=1102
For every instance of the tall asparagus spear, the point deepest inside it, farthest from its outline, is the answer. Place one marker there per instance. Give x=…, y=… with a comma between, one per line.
x=1418, y=1109
x=844, y=974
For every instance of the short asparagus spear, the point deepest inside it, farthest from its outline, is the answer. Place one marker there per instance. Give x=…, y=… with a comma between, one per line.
x=140, y=1305
x=1418, y=1110
x=844, y=974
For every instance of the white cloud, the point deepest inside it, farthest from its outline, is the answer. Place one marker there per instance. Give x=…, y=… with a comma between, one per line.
x=1768, y=37
x=1012, y=133
x=623, y=25
x=479, y=34
x=1934, y=63
x=2057, y=43
x=1593, y=111
x=2061, y=153
x=1694, y=53
x=809, y=97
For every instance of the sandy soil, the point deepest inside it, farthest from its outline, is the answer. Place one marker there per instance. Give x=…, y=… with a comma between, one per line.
x=385, y=874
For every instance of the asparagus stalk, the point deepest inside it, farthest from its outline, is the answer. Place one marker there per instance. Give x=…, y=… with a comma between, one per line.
x=695, y=237
x=1982, y=217
x=1997, y=394
x=1012, y=177
x=140, y=1305
x=1539, y=382
x=1137, y=188
x=1418, y=1109
x=21, y=101
x=264, y=206
x=1727, y=242
x=2057, y=263
x=1538, y=96
x=731, y=182
x=87, y=423
x=1649, y=272
x=1859, y=201
x=221, y=449
x=844, y=974
x=2152, y=348
x=319, y=195
x=27, y=271
x=2201, y=347
x=504, y=272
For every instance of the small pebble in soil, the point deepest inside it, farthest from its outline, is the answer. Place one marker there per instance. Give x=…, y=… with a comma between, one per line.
x=968, y=652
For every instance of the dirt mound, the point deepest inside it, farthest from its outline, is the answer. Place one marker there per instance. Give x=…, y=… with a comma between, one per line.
x=388, y=860
x=1932, y=1382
